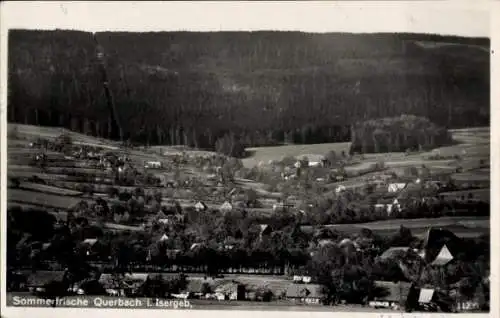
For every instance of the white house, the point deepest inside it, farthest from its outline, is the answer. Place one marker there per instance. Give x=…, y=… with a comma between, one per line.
x=226, y=207
x=395, y=187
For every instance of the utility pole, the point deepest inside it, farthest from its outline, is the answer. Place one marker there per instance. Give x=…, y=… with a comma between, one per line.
x=115, y=122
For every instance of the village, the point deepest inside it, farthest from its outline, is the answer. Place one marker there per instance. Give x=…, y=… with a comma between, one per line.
x=144, y=222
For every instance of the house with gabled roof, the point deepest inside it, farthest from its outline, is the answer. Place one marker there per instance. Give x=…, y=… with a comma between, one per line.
x=200, y=206
x=440, y=246
x=391, y=295
x=395, y=252
x=443, y=258
x=282, y=206
x=90, y=241
x=226, y=207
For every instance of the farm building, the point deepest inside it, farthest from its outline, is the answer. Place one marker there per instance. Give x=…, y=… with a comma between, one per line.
x=309, y=294
x=391, y=295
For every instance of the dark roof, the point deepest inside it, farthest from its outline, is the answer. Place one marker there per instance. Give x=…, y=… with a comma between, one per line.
x=41, y=278
x=304, y=291
x=390, y=291
x=227, y=287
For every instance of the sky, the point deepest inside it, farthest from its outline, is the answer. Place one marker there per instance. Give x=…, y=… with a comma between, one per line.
x=454, y=17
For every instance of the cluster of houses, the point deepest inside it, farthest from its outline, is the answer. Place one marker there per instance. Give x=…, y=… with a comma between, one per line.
x=129, y=285
x=298, y=289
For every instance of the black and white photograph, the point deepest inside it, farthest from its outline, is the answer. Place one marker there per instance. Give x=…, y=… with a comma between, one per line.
x=201, y=155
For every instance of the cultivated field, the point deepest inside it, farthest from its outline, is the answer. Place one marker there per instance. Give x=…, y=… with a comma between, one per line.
x=461, y=226
x=60, y=189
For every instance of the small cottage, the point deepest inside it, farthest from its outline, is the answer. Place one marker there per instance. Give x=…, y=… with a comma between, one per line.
x=395, y=187
x=226, y=207
x=265, y=230
x=88, y=245
x=309, y=294
x=390, y=295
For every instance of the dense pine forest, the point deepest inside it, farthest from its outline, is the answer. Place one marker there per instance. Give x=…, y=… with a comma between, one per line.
x=258, y=88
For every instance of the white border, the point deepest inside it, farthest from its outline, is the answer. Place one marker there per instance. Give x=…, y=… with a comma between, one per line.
x=455, y=16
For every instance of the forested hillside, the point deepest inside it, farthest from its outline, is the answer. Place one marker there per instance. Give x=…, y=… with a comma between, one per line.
x=262, y=87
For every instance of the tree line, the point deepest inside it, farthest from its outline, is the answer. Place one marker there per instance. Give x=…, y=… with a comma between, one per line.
x=262, y=88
